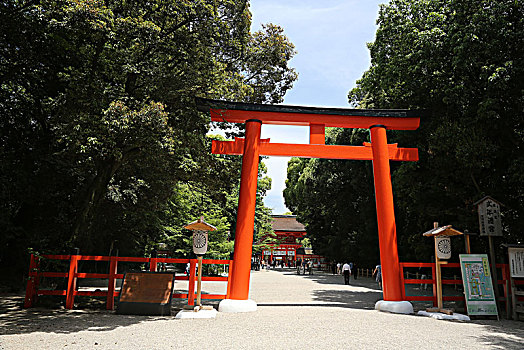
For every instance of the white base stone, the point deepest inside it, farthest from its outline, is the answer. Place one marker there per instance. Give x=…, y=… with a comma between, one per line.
x=441, y=316
x=198, y=314
x=231, y=305
x=396, y=307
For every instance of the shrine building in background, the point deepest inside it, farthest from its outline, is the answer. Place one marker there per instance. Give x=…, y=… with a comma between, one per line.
x=288, y=249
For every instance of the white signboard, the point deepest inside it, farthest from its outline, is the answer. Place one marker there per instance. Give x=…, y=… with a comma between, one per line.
x=199, y=242
x=489, y=218
x=443, y=247
x=279, y=252
x=291, y=253
x=516, y=262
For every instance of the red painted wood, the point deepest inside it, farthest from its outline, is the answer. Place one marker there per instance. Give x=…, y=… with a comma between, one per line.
x=246, y=213
x=112, y=275
x=329, y=120
x=30, y=289
x=71, y=282
x=387, y=232
x=314, y=151
x=111, y=283
x=192, y=277
x=317, y=134
x=52, y=292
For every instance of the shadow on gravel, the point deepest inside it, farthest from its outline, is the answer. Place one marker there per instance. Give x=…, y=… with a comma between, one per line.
x=338, y=298
x=16, y=320
x=504, y=334
x=349, y=299
x=327, y=278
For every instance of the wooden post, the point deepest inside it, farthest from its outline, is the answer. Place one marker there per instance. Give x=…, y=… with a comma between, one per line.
x=246, y=212
x=113, y=267
x=387, y=231
x=229, y=279
x=494, y=274
x=505, y=277
x=30, y=290
x=438, y=277
x=152, y=264
x=514, y=297
x=199, y=281
x=191, y=288
x=403, y=285
x=466, y=241
x=434, y=283
x=71, y=282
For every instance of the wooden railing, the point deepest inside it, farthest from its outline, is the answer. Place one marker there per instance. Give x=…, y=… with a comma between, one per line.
x=72, y=275
x=503, y=280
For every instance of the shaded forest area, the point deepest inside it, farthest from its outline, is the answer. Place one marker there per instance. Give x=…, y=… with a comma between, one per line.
x=462, y=62
x=102, y=146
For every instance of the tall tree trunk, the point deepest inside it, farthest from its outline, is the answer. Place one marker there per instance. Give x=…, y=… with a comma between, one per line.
x=96, y=191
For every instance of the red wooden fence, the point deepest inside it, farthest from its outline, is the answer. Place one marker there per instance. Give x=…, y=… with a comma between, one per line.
x=32, y=291
x=504, y=280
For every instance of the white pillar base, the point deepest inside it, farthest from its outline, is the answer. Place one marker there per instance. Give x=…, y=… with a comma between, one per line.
x=232, y=305
x=441, y=316
x=196, y=314
x=396, y=307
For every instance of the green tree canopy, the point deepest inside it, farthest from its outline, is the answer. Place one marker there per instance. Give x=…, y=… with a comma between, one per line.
x=462, y=63
x=99, y=124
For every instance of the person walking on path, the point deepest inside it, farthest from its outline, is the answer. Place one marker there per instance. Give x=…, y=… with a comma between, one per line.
x=346, y=271
x=378, y=273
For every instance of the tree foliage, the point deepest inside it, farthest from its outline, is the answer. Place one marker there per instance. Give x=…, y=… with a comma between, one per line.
x=461, y=62
x=99, y=127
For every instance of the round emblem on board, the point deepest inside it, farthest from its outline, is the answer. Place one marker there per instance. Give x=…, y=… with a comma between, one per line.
x=199, y=239
x=444, y=246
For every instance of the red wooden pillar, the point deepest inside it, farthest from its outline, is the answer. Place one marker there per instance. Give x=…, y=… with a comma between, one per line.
x=152, y=264
x=387, y=232
x=434, y=283
x=31, y=291
x=191, y=287
x=113, y=267
x=228, y=293
x=402, y=281
x=71, y=282
x=246, y=212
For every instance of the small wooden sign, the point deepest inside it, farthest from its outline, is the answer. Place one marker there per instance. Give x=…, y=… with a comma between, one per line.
x=489, y=217
x=146, y=293
x=516, y=262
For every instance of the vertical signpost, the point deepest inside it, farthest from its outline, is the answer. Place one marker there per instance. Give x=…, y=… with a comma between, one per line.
x=442, y=252
x=490, y=225
x=200, y=230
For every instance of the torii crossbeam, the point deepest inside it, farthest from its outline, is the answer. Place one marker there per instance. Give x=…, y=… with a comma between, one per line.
x=377, y=121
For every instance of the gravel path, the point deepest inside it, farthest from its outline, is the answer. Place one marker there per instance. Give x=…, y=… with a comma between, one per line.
x=294, y=312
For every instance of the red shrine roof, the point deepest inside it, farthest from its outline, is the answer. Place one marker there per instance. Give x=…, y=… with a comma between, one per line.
x=287, y=223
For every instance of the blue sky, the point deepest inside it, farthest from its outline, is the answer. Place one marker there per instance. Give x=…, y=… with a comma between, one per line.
x=330, y=37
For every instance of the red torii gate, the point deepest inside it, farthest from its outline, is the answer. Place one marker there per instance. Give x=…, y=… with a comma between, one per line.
x=379, y=151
